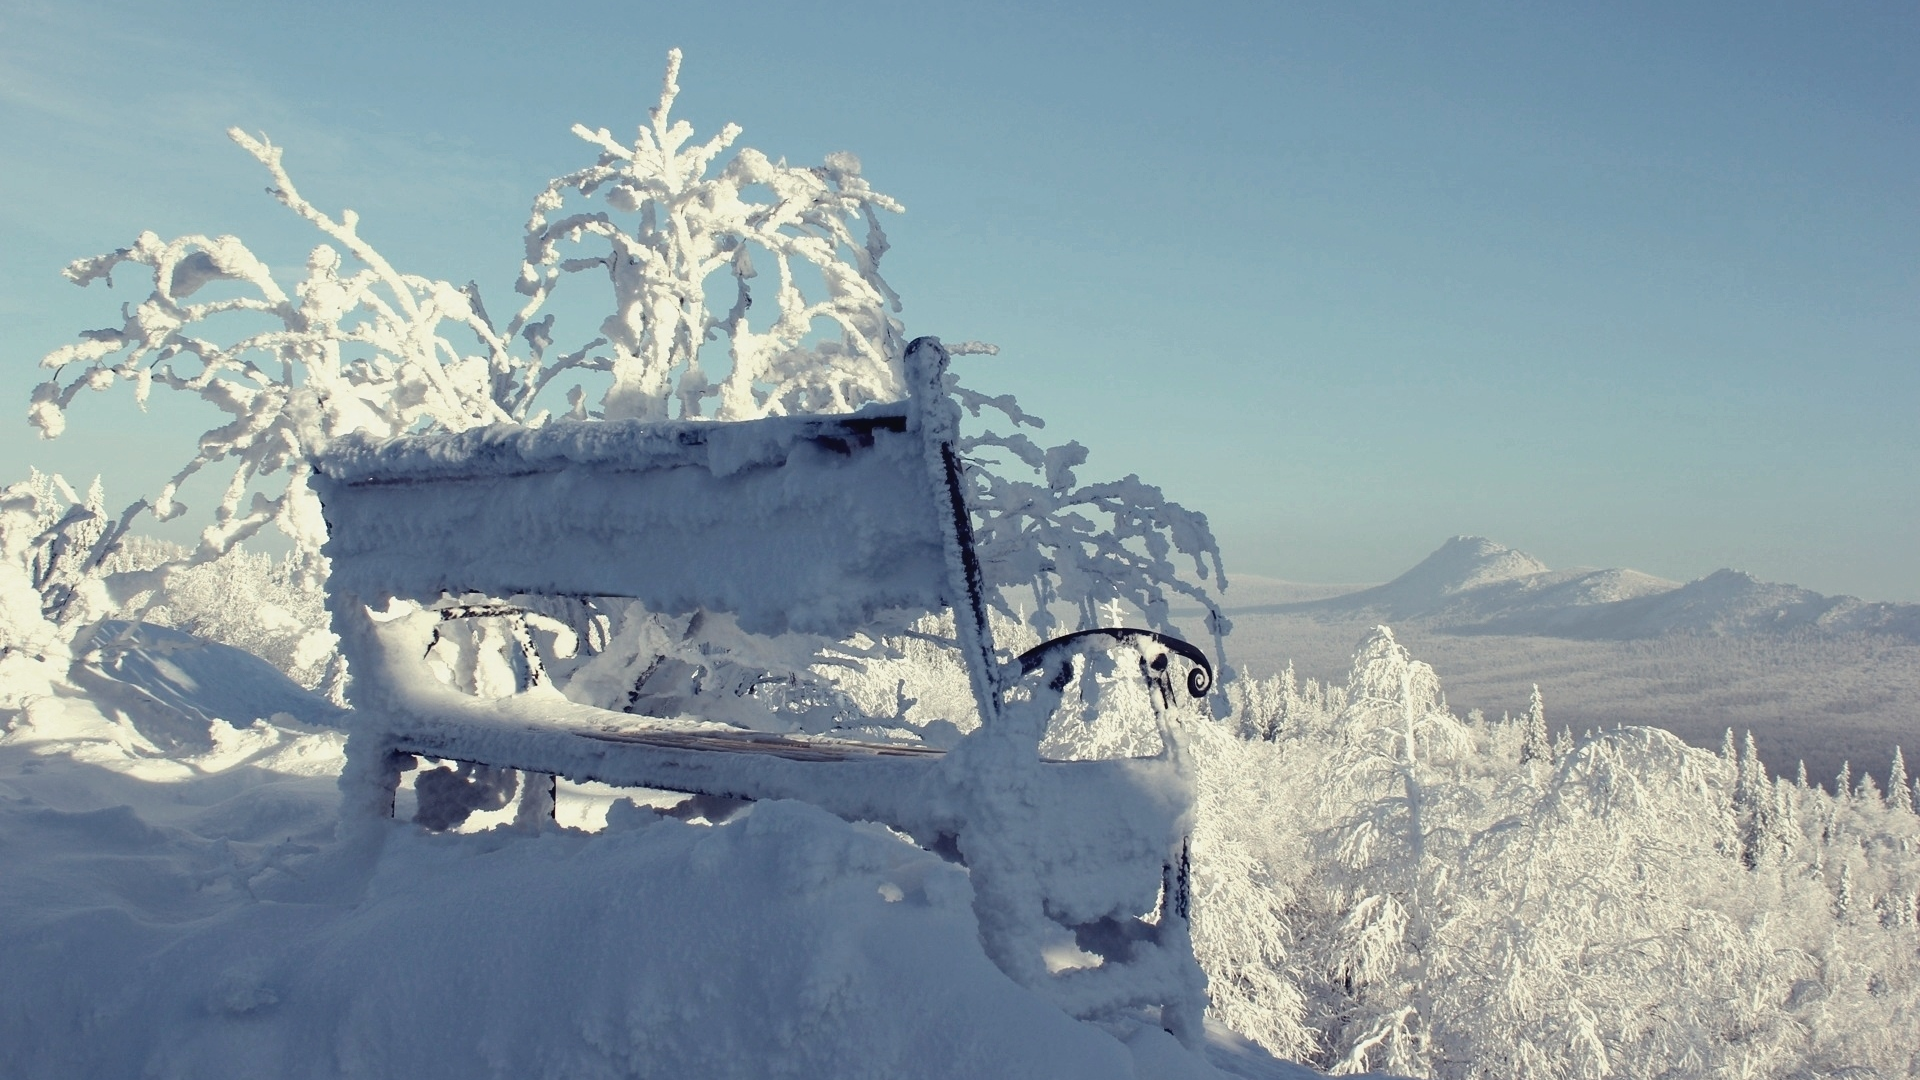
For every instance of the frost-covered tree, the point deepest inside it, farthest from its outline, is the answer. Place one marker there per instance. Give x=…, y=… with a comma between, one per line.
x=1580, y=921
x=1756, y=811
x=1391, y=851
x=1251, y=860
x=1536, y=744
x=670, y=222
x=62, y=538
x=664, y=226
x=1086, y=546
x=360, y=346
x=255, y=602
x=40, y=519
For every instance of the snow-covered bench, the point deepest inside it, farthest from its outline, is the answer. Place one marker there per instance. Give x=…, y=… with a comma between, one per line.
x=804, y=523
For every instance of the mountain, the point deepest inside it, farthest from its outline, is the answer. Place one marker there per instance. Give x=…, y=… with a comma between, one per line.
x=1472, y=585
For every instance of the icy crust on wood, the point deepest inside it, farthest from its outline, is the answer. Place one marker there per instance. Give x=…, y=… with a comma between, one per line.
x=512, y=449
x=806, y=524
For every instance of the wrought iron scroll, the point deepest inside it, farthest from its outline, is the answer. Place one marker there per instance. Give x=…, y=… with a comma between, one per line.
x=1061, y=650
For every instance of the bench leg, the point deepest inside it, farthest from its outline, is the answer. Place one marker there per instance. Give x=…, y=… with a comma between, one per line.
x=537, y=801
x=1184, y=1013
x=371, y=776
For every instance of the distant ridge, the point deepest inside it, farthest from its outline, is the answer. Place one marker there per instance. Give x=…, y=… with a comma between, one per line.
x=1473, y=585
x=1462, y=565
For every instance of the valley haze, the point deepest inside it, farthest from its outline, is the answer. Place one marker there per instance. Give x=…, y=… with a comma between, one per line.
x=1824, y=679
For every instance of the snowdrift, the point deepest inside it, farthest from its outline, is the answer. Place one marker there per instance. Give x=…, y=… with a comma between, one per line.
x=185, y=911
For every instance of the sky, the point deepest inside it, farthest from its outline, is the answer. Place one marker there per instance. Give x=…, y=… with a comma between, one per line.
x=1630, y=285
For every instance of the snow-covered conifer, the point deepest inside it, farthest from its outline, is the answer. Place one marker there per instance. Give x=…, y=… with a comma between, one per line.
x=1899, y=787
x=1392, y=847
x=1535, y=742
x=1867, y=790
x=1753, y=807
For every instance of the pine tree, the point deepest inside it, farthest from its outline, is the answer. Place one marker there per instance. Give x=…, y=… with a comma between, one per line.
x=1535, y=743
x=1867, y=790
x=1753, y=806
x=1785, y=835
x=1899, y=793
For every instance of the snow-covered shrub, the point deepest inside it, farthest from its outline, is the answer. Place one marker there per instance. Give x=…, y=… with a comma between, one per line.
x=61, y=540
x=355, y=351
x=664, y=226
x=255, y=602
x=56, y=554
x=1250, y=857
x=29, y=640
x=361, y=346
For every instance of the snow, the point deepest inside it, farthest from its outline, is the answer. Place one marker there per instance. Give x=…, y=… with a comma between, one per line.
x=193, y=682
x=184, y=913
x=675, y=514
x=185, y=910
x=1474, y=585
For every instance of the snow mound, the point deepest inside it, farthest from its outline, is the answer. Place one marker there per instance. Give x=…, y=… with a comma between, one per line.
x=172, y=684
x=770, y=948
x=170, y=913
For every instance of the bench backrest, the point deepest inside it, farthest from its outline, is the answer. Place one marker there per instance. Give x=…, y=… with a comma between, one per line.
x=805, y=523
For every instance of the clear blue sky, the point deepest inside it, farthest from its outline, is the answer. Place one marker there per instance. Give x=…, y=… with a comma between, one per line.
x=1633, y=285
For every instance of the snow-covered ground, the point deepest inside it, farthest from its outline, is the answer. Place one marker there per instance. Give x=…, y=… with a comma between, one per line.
x=175, y=903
